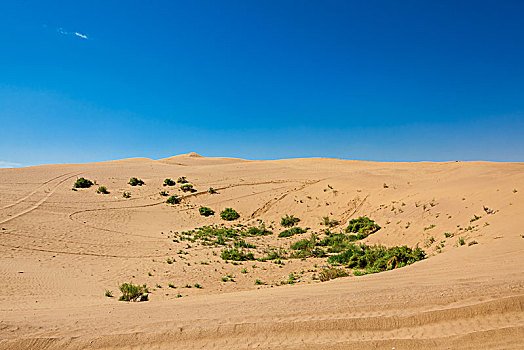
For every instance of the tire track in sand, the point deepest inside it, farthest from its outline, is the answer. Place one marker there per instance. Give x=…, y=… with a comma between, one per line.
x=39, y=203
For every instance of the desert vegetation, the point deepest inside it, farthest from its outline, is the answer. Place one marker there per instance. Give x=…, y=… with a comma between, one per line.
x=131, y=292
x=135, y=182
x=205, y=211
x=83, y=183
x=229, y=214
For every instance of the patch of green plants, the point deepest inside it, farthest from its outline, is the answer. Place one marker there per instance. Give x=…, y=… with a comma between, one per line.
x=229, y=214
x=182, y=180
x=289, y=221
x=259, y=282
x=196, y=285
x=306, y=248
x=211, y=190
x=429, y=227
x=83, y=183
x=102, y=190
x=109, y=294
x=136, y=182
x=447, y=235
x=377, y=257
x=461, y=241
x=164, y=193
x=362, y=227
x=259, y=231
x=328, y=222
x=291, y=279
x=475, y=218
x=171, y=285
x=331, y=273
x=291, y=232
x=126, y=194
x=173, y=200
x=187, y=188
x=242, y=244
x=236, y=255
x=130, y=292
x=274, y=254
x=169, y=182
x=205, y=211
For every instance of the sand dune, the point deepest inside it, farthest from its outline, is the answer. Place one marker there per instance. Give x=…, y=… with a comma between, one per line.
x=62, y=249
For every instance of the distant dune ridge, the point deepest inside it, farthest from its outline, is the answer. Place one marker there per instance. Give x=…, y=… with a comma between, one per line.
x=63, y=249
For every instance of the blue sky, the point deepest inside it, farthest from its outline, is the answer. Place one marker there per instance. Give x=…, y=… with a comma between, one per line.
x=373, y=80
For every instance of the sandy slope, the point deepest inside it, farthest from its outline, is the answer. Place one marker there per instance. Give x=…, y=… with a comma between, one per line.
x=60, y=251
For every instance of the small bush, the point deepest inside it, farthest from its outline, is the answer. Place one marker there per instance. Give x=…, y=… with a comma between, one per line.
x=461, y=241
x=173, y=200
x=131, y=292
x=169, y=182
x=135, y=181
x=331, y=273
x=472, y=243
x=102, y=190
x=187, y=188
x=259, y=231
x=109, y=294
x=291, y=232
x=205, y=211
x=83, y=183
x=164, y=193
x=259, y=282
x=211, y=190
x=329, y=223
x=289, y=221
x=236, y=255
x=182, y=180
x=126, y=194
x=363, y=227
x=229, y=214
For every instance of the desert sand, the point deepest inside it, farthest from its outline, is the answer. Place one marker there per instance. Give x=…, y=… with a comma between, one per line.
x=62, y=249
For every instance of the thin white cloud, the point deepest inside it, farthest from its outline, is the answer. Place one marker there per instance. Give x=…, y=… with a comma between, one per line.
x=77, y=34
x=4, y=164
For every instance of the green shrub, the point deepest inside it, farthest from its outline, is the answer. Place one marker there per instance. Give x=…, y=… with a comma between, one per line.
x=229, y=214
x=187, y=188
x=131, y=292
x=169, y=182
x=83, y=183
x=289, y=221
x=109, y=294
x=307, y=248
x=205, y=211
x=259, y=231
x=377, y=257
x=164, y=193
x=102, y=190
x=242, y=244
x=259, y=282
x=329, y=223
x=126, y=194
x=236, y=255
x=135, y=181
x=331, y=273
x=363, y=227
x=182, y=180
x=211, y=190
x=173, y=200
x=461, y=241
x=291, y=232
